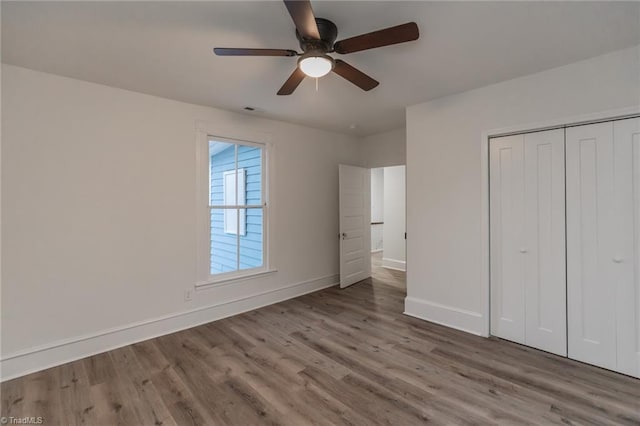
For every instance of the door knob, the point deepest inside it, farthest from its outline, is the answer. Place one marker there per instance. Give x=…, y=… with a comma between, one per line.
x=523, y=250
x=617, y=259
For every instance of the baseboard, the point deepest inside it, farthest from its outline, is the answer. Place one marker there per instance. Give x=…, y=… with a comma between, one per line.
x=376, y=251
x=40, y=358
x=399, y=265
x=460, y=319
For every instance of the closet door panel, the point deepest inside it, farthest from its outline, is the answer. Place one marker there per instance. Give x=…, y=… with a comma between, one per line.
x=506, y=222
x=544, y=242
x=626, y=254
x=590, y=215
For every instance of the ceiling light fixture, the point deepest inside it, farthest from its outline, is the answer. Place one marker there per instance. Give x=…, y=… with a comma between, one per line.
x=315, y=64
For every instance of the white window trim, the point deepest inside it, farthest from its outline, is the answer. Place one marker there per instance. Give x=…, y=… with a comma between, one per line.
x=220, y=132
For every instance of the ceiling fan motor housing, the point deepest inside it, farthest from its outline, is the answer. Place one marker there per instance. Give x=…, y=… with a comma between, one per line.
x=328, y=35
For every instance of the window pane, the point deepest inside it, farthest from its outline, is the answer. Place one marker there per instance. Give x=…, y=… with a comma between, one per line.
x=250, y=168
x=251, y=255
x=235, y=180
x=224, y=246
x=222, y=162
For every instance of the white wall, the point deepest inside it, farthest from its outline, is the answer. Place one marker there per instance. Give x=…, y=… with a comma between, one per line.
x=384, y=149
x=446, y=180
x=377, y=208
x=394, y=253
x=98, y=214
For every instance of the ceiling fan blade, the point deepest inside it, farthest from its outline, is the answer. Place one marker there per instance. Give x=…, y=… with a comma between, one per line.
x=230, y=51
x=386, y=37
x=303, y=18
x=354, y=75
x=292, y=82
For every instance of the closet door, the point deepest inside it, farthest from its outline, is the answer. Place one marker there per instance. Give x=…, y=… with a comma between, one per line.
x=506, y=181
x=528, y=283
x=544, y=242
x=626, y=254
x=591, y=253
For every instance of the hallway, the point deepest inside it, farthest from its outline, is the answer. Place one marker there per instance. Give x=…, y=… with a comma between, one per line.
x=392, y=277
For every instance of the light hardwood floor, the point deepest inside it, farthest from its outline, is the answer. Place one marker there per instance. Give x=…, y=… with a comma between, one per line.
x=344, y=357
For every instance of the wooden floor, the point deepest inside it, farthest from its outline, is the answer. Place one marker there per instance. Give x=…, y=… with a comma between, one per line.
x=344, y=357
x=387, y=276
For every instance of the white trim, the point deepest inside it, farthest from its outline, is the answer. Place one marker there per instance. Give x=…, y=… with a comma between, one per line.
x=485, y=280
x=460, y=319
x=578, y=120
x=398, y=265
x=50, y=355
x=224, y=279
x=376, y=251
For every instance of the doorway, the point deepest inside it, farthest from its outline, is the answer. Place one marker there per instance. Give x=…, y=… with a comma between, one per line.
x=388, y=226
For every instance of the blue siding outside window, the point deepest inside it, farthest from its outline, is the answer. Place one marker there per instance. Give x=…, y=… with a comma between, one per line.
x=224, y=246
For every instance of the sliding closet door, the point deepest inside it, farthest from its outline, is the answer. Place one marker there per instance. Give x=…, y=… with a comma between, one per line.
x=591, y=229
x=626, y=254
x=544, y=242
x=507, y=221
x=528, y=286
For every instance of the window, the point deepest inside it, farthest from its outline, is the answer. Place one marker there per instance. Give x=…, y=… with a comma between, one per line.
x=232, y=215
x=236, y=207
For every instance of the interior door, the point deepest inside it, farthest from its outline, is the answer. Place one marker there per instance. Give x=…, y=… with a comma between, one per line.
x=506, y=181
x=626, y=255
x=355, y=229
x=591, y=218
x=544, y=242
x=527, y=214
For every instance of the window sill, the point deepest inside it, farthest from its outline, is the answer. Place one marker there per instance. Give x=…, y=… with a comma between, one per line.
x=204, y=285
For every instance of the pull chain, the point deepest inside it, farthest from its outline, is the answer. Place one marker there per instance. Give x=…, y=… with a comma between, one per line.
x=316, y=84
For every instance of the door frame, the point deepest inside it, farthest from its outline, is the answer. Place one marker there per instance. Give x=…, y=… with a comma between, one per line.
x=572, y=121
x=406, y=204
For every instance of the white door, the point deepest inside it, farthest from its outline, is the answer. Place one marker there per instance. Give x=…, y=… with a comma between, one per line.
x=626, y=254
x=544, y=242
x=528, y=283
x=591, y=227
x=506, y=180
x=355, y=228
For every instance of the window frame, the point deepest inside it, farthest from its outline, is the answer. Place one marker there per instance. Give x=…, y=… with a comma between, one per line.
x=205, y=133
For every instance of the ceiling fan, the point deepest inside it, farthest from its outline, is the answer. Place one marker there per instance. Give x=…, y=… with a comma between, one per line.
x=317, y=37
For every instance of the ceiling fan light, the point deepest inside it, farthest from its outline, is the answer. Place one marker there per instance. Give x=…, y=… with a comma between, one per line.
x=316, y=66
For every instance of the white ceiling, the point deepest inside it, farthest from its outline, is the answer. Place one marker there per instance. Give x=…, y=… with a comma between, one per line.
x=164, y=49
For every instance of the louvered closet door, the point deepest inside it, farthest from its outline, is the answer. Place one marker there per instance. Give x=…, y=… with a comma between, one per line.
x=544, y=242
x=528, y=285
x=507, y=221
x=626, y=254
x=591, y=248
